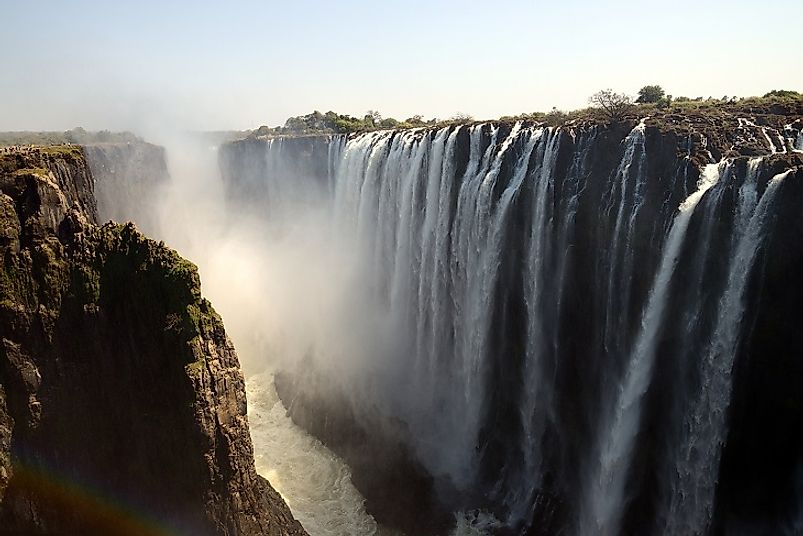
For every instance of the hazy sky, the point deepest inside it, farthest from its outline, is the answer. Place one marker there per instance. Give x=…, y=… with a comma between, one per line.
x=115, y=64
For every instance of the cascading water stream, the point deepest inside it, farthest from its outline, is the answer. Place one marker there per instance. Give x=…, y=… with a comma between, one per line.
x=546, y=270
x=437, y=240
x=410, y=206
x=535, y=390
x=625, y=199
x=697, y=461
x=606, y=493
x=480, y=230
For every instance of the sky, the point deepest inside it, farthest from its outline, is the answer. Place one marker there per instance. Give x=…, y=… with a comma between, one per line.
x=240, y=64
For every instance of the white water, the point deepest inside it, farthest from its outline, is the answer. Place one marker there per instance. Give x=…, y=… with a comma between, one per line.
x=773, y=149
x=606, y=494
x=437, y=267
x=273, y=300
x=314, y=483
x=536, y=403
x=625, y=199
x=743, y=123
x=546, y=267
x=705, y=423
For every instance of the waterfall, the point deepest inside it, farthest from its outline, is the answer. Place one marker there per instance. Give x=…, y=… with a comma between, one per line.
x=536, y=404
x=624, y=199
x=550, y=300
x=704, y=429
x=604, y=507
x=438, y=240
x=533, y=417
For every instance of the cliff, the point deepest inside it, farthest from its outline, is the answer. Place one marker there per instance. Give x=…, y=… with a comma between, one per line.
x=264, y=174
x=122, y=406
x=129, y=179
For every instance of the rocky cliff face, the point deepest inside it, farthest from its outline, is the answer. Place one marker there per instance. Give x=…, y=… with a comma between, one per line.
x=264, y=174
x=122, y=406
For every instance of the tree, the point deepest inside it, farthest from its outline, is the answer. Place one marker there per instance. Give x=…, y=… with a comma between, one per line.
x=664, y=102
x=388, y=122
x=649, y=94
x=76, y=135
x=264, y=130
x=555, y=117
x=782, y=93
x=461, y=117
x=372, y=117
x=614, y=105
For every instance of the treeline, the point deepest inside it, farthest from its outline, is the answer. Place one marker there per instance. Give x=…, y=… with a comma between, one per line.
x=334, y=123
x=608, y=105
x=76, y=135
x=605, y=105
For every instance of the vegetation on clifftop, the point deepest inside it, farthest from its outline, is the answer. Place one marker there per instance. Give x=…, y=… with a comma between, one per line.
x=652, y=101
x=606, y=105
x=333, y=123
x=120, y=258
x=76, y=135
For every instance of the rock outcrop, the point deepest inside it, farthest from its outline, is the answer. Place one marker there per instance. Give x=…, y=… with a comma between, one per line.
x=122, y=405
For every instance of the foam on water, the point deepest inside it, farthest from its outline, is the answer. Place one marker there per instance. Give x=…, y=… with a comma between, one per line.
x=314, y=482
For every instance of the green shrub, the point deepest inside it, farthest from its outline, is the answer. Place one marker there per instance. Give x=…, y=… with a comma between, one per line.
x=649, y=94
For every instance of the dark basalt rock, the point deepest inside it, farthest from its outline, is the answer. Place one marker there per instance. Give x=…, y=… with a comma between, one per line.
x=398, y=490
x=761, y=475
x=122, y=405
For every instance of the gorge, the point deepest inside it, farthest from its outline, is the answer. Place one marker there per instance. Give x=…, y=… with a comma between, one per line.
x=498, y=327
x=122, y=403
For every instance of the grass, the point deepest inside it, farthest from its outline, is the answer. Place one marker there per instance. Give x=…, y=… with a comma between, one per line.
x=39, y=171
x=69, y=152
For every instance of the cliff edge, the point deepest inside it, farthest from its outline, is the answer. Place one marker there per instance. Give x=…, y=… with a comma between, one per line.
x=122, y=405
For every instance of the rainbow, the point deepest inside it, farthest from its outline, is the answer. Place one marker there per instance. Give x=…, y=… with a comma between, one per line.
x=87, y=507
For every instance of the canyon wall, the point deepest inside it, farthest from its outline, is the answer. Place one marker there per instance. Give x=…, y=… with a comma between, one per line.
x=122, y=405
x=129, y=181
